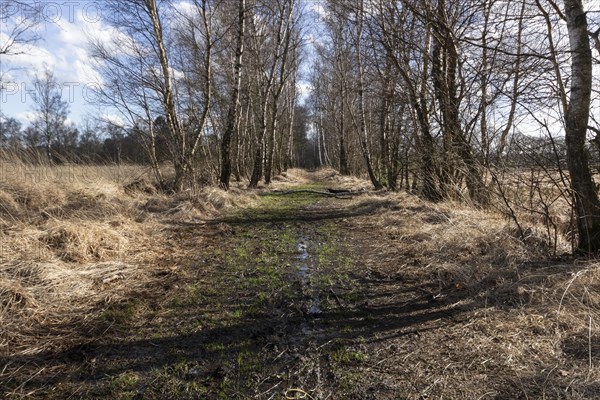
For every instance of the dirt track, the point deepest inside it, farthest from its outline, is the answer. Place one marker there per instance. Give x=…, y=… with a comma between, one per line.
x=311, y=296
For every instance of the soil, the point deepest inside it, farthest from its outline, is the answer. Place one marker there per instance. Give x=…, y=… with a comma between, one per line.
x=306, y=297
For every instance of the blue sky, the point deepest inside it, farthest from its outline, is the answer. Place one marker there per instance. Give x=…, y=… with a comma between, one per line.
x=64, y=29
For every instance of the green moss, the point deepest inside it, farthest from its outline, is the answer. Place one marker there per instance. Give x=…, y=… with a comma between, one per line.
x=119, y=314
x=215, y=347
x=178, y=380
x=343, y=355
x=125, y=382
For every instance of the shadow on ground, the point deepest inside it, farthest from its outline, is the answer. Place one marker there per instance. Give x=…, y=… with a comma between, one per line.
x=264, y=349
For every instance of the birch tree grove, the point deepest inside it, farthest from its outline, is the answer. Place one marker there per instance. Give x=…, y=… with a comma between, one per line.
x=140, y=70
x=205, y=84
x=457, y=99
x=486, y=102
x=271, y=45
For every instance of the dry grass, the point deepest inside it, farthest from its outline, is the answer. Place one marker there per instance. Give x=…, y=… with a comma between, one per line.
x=461, y=306
x=535, y=197
x=513, y=321
x=325, y=176
x=76, y=239
x=64, y=231
x=337, y=180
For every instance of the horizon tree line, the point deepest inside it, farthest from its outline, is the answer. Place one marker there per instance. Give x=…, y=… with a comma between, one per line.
x=436, y=96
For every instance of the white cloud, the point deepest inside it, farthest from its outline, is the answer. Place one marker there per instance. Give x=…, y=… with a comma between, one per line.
x=304, y=89
x=185, y=8
x=316, y=6
x=26, y=117
x=64, y=50
x=113, y=119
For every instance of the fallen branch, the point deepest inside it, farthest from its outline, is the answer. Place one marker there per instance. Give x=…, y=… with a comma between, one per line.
x=337, y=299
x=337, y=193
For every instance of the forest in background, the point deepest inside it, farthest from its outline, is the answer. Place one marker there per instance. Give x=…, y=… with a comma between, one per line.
x=439, y=239
x=491, y=103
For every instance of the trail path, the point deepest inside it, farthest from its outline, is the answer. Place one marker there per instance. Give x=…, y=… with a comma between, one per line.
x=303, y=296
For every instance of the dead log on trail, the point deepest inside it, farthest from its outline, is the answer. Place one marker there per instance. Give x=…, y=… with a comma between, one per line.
x=337, y=193
x=330, y=190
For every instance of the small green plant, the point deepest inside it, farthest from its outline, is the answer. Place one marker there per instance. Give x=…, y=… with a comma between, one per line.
x=178, y=380
x=124, y=384
x=216, y=347
x=119, y=313
x=347, y=355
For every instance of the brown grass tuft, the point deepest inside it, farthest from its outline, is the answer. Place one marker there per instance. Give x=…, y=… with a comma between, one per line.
x=84, y=241
x=9, y=208
x=337, y=180
x=76, y=238
x=523, y=322
x=13, y=296
x=140, y=185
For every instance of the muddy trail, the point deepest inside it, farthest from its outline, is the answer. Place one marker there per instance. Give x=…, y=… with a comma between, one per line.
x=309, y=296
x=261, y=303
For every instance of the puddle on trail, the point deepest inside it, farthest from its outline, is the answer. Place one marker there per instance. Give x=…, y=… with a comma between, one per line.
x=306, y=267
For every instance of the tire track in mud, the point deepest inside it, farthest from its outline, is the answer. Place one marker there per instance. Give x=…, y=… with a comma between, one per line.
x=255, y=314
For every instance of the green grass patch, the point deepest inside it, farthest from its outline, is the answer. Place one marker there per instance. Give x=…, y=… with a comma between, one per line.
x=119, y=314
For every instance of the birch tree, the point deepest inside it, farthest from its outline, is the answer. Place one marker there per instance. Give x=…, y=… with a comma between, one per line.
x=234, y=104
x=144, y=78
x=51, y=110
x=587, y=204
